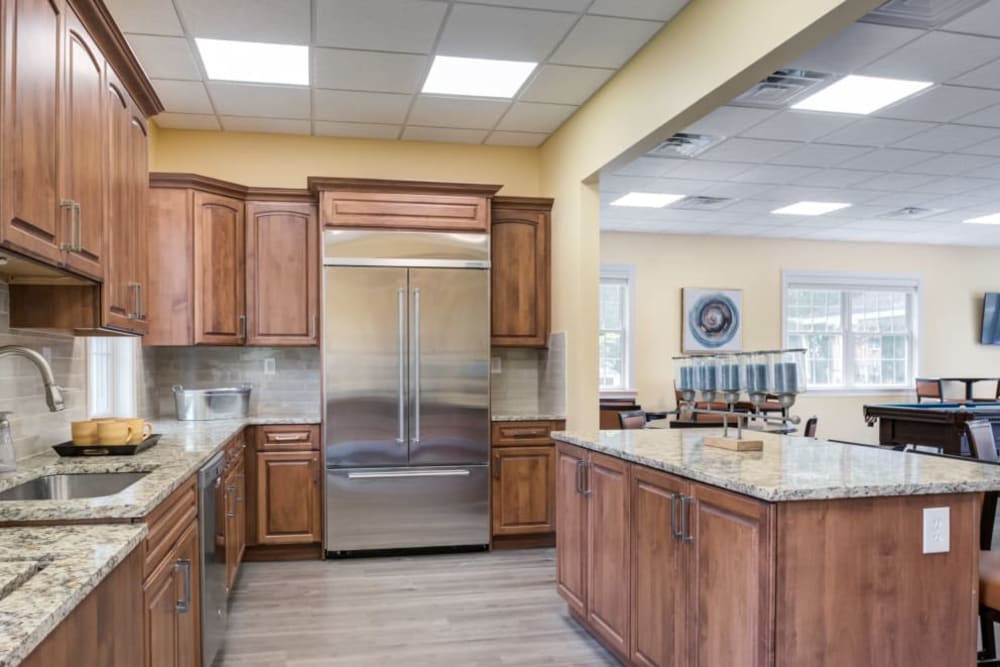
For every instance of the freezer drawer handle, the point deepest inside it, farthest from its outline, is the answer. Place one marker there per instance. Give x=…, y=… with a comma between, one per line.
x=401, y=355
x=408, y=473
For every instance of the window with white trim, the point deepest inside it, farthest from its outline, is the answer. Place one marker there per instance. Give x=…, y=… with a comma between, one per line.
x=111, y=381
x=616, y=327
x=861, y=331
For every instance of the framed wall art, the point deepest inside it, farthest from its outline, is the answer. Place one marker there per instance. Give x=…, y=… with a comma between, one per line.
x=712, y=320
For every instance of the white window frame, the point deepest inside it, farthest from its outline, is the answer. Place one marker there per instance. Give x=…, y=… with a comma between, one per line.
x=848, y=280
x=111, y=377
x=624, y=272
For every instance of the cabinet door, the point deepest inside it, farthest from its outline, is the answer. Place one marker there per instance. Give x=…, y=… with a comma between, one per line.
x=523, y=490
x=241, y=508
x=230, y=528
x=33, y=221
x=282, y=274
x=520, y=277
x=660, y=562
x=571, y=517
x=160, y=609
x=138, y=186
x=187, y=575
x=609, y=549
x=219, y=264
x=731, y=570
x=288, y=498
x=83, y=149
x=118, y=299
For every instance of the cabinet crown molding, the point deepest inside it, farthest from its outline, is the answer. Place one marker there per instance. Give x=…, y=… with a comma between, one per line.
x=543, y=204
x=215, y=186
x=324, y=183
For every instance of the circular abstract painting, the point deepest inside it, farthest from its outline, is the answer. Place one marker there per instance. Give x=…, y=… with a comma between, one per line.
x=713, y=321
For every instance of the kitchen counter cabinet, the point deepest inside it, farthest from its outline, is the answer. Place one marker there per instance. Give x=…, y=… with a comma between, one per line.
x=171, y=606
x=520, y=275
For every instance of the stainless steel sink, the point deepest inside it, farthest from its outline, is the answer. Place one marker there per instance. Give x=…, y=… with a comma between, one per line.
x=69, y=487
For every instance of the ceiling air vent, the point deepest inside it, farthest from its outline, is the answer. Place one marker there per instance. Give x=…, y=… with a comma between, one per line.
x=911, y=213
x=921, y=13
x=703, y=203
x=782, y=88
x=684, y=144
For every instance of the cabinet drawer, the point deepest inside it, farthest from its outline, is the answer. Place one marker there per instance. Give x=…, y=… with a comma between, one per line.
x=287, y=438
x=523, y=433
x=168, y=522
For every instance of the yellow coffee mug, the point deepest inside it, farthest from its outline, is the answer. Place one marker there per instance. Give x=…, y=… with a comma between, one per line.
x=139, y=429
x=84, y=432
x=113, y=433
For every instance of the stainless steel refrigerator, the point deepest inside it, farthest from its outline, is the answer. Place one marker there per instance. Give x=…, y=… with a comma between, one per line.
x=406, y=384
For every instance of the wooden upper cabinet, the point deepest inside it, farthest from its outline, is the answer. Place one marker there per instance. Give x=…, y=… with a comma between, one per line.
x=219, y=291
x=137, y=282
x=117, y=299
x=282, y=264
x=520, y=266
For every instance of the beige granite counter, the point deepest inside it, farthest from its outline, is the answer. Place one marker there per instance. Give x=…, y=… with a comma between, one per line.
x=47, y=571
x=183, y=449
x=792, y=468
x=528, y=417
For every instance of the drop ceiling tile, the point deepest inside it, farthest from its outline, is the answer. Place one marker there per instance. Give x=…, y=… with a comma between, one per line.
x=838, y=178
x=533, y=117
x=501, y=138
x=444, y=134
x=653, y=10
x=369, y=70
x=748, y=150
x=326, y=128
x=736, y=190
x=165, y=57
x=983, y=20
x=887, y=159
x=185, y=121
x=985, y=148
x=798, y=125
x=559, y=84
x=709, y=170
x=150, y=17
x=988, y=170
x=896, y=182
x=947, y=138
x=876, y=132
x=622, y=183
x=385, y=108
x=676, y=186
x=987, y=76
x=942, y=104
x=272, y=21
x=820, y=155
x=649, y=166
x=772, y=174
x=951, y=164
x=936, y=56
x=588, y=44
x=856, y=46
x=894, y=200
x=183, y=96
x=989, y=117
x=433, y=111
x=269, y=125
x=379, y=25
x=476, y=31
x=956, y=185
x=551, y=5
x=729, y=121
x=241, y=99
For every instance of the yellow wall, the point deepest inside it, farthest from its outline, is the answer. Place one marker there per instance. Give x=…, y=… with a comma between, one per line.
x=954, y=280
x=282, y=160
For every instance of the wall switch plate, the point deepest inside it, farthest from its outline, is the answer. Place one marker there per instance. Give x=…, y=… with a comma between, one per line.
x=269, y=367
x=496, y=365
x=937, y=530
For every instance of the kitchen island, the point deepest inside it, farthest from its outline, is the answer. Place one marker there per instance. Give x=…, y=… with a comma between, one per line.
x=806, y=553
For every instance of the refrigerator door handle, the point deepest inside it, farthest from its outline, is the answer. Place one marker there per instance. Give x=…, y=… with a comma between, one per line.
x=407, y=473
x=401, y=352
x=416, y=365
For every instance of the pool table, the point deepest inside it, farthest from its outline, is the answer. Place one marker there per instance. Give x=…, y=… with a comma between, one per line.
x=933, y=424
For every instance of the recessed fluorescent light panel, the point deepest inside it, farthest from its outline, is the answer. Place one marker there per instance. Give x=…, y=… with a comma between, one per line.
x=646, y=199
x=985, y=220
x=254, y=62
x=477, y=77
x=810, y=208
x=861, y=94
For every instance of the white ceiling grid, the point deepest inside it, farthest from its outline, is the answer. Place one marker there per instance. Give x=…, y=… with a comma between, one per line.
x=369, y=59
x=938, y=150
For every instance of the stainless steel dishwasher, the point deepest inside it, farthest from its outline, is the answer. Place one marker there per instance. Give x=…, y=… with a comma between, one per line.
x=214, y=611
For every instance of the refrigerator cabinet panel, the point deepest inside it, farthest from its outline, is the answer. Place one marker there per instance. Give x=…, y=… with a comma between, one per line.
x=365, y=359
x=449, y=366
x=406, y=508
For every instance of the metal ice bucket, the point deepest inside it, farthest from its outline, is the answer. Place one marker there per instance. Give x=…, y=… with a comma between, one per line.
x=208, y=404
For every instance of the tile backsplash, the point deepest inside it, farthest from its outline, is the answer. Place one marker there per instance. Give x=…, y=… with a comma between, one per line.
x=530, y=381
x=35, y=429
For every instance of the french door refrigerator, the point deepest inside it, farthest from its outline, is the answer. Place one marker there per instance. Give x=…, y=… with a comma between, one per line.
x=406, y=384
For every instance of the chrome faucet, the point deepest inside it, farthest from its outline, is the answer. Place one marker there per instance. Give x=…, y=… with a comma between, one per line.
x=53, y=394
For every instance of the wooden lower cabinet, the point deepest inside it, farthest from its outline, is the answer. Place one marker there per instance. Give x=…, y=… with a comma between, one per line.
x=523, y=493
x=288, y=498
x=171, y=606
x=606, y=490
x=571, y=538
x=232, y=501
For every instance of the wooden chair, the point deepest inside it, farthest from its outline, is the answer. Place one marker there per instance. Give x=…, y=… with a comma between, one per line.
x=983, y=447
x=929, y=388
x=809, y=430
x=633, y=419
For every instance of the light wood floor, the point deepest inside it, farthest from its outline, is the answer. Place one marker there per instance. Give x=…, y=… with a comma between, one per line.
x=468, y=610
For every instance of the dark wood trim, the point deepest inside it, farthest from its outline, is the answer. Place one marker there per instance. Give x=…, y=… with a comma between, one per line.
x=543, y=204
x=110, y=40
x=289, y=195
x=323, y=183
x=215, y=186
x=543, y=541
x=279, y=552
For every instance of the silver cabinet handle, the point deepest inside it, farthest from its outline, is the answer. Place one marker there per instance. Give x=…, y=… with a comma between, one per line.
x=139, y=314
x=416, y=365
x=243, y=478
x=407, y=473
x=134, y=288
x=586, y=478
x=675, y=502
x=579, y=476
x=184, y=605
x=401, y=356
x=232, y=490
x=243, y=327
x=288, y=437
x=71, y=205
x=78, y=229
x=686, y=502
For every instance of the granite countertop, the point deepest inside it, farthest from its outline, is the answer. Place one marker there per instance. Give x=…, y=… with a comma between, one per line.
x=791, y=468
x=45, y=572
x=535, y=417
x=183, y=449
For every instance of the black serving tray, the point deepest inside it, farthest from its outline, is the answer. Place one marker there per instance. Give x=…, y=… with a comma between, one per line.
x=69, y=449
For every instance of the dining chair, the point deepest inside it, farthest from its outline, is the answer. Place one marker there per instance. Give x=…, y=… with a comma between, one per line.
x=983, y=447
x=809, y=430
x=929, y=388
x=633, y=419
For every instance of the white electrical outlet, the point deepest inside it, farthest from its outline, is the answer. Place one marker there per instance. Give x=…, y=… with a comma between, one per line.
x=937, y=530
x=269, y=367
x=496, y=365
